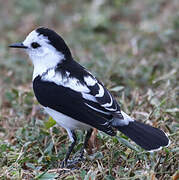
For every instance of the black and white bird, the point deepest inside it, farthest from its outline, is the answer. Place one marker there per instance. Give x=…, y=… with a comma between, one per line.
x=75, y=98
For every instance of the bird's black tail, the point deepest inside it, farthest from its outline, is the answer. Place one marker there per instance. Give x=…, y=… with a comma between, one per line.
x=146, y=136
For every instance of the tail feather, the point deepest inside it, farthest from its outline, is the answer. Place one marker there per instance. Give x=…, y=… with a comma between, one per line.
x=146, y=136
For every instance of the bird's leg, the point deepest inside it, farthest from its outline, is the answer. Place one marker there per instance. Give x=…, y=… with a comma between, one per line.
x=70, y=148
x=87, y=137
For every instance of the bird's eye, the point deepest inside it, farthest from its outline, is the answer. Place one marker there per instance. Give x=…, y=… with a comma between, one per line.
x=35, y=45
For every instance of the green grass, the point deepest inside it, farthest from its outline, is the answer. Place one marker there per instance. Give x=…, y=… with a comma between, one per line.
x=132, y=47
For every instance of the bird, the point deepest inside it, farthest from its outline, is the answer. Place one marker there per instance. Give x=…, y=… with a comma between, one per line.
x=76, y=99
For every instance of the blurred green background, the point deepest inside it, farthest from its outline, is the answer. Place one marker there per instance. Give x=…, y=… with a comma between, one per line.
x=132, y=46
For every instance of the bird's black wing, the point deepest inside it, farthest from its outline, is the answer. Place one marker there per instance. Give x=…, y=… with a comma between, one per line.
x=72, y=103
x=99, y=98
x=102, y=96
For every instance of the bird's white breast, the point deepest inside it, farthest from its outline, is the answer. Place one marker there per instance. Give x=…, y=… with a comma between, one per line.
x=66, y=121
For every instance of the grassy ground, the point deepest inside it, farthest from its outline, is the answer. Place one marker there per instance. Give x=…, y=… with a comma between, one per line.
x=132, y=46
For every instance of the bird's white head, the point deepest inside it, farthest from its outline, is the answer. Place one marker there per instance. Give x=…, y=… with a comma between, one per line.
x=45, y=48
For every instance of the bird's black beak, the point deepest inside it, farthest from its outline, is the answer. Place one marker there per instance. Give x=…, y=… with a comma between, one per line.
x=17, y=45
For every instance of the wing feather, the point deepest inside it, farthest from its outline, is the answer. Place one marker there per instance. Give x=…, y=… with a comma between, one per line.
x=102, y=95
x=74, y=90
x=71, y=103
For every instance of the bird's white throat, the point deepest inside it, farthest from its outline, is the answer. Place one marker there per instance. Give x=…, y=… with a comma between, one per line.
x=43, y=63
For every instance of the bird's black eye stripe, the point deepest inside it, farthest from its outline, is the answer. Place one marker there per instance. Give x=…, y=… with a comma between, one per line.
x=35, y=45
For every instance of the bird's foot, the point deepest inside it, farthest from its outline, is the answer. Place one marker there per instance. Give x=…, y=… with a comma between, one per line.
x=71, y=163
x=79, y=157
x=66, y=163
x=63, y=164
